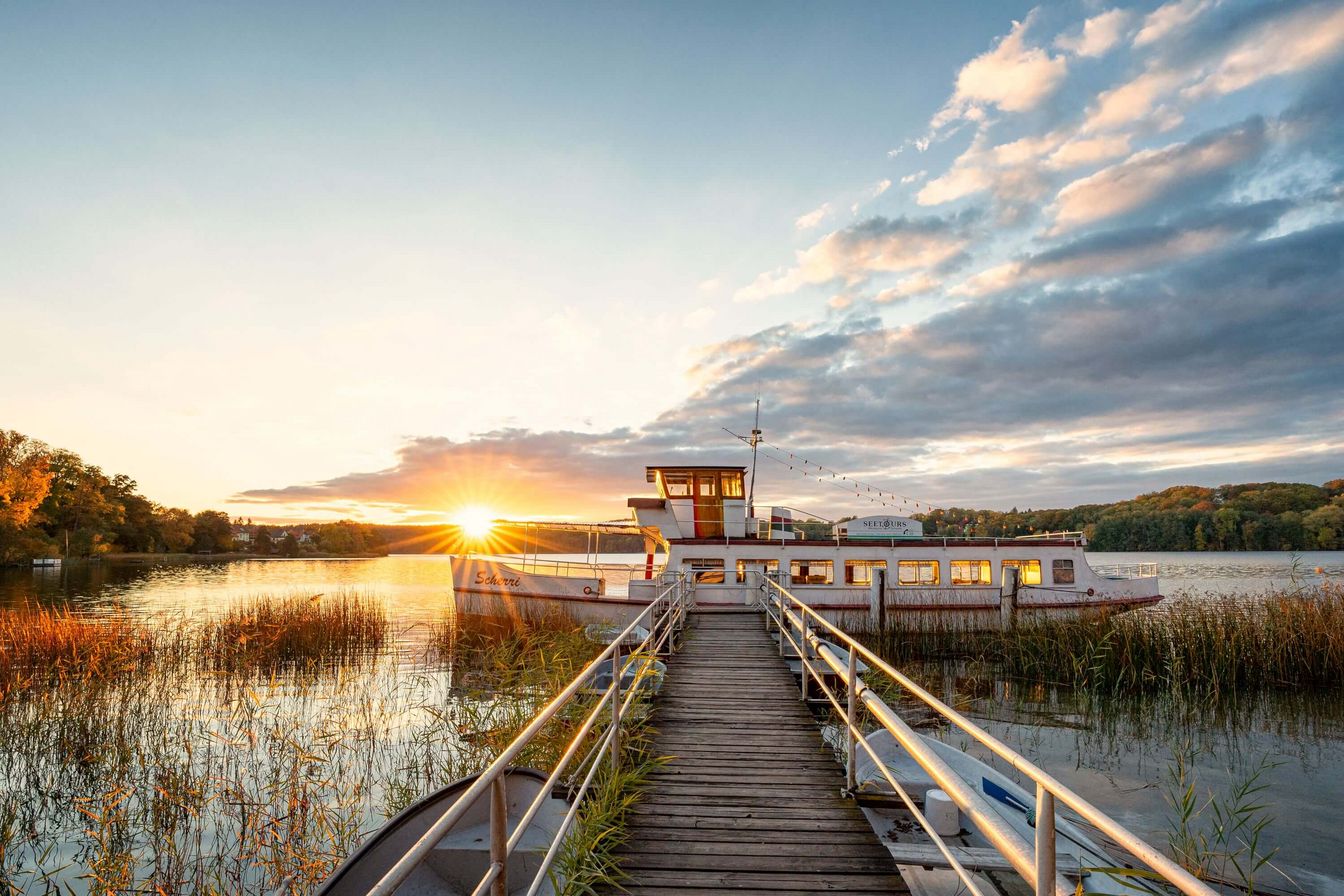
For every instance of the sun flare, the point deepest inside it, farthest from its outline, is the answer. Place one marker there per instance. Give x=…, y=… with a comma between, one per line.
x=475, y=522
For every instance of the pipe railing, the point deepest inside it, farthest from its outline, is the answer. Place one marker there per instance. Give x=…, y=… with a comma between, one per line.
x=664, y=619
x=1036, y=865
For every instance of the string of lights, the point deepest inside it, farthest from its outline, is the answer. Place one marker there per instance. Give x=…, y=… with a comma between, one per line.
x=862, y=490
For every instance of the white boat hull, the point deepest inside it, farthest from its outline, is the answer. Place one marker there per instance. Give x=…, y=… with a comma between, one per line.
x=483, y=587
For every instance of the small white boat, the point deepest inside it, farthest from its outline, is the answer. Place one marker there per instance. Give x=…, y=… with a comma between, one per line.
x=645, y=673
x=459, y=861
x=1077, y=855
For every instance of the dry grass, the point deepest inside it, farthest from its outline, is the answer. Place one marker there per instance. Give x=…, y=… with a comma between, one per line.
x=287, y=632
x=41, y=645
x=1220, y=647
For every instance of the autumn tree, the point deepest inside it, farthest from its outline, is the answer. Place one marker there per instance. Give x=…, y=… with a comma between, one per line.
x=25, y=479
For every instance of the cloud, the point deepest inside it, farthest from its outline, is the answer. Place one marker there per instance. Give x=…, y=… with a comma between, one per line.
x=1224, y=367
x=880, y=187
x=911, y=178
x=1169, y=20
x=813, y=218
x=1201, y=165
x=1145, y=249
x=1012, y=77
x=1221, y=60
x=1099, y=34
x=876, y=245
x=1291, y=43
x=908, y=287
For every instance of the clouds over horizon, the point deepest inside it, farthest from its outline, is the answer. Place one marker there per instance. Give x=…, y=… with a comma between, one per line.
x=1112, y=263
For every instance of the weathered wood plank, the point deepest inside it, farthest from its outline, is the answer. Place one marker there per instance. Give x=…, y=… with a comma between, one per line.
x=750, y=792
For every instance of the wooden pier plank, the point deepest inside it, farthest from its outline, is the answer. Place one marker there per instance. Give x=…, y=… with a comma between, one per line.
x=750, y=800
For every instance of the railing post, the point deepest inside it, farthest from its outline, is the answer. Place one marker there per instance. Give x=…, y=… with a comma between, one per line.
x=851, y=737
x=615, y=712
x=803, y=627
x=1045, y=842
x=499, y=835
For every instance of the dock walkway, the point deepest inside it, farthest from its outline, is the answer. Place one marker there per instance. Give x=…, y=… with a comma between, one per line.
x=750, y=801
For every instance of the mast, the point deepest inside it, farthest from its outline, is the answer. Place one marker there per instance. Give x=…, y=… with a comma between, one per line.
x=755, y=440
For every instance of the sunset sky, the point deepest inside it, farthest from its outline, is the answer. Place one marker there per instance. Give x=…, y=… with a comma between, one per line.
x=386, y=261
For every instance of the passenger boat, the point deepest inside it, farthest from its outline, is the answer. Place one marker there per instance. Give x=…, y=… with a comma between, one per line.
x=880, y=567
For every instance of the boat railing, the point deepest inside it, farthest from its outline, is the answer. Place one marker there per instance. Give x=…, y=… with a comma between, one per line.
x=664, y=620
x=808, y=632
x=1126, y=570
x=612, y=572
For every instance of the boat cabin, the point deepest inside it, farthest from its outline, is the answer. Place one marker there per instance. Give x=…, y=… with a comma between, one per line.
x=697, y=502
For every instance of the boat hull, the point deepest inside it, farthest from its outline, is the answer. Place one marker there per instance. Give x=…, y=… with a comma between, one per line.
x=460, y=859
x=490, y=588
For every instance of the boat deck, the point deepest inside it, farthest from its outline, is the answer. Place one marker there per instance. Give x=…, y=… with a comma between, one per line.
x=750, y=801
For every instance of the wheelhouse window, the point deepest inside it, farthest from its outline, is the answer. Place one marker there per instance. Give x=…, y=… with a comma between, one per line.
x=1029, y=570
x=917, y=572
x=860, y=572
x=707, y=486
x=972, y=572
x=811, y=572
x=1062, y=572
x=766, y=566
x=731, y=484
x=677, y=485
x=707, y=571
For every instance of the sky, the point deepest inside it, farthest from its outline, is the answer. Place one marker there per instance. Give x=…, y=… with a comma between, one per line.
x=300, y=261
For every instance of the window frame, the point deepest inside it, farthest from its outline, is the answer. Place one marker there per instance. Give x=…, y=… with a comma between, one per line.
x=984, y=566
x=796, y=565
x=1022, y=566
x=868, y=566
x=1071, y=579
x=741, y=565
x=706, y=569
x=919, y=565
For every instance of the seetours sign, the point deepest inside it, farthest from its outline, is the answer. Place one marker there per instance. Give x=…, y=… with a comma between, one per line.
x=881, y=527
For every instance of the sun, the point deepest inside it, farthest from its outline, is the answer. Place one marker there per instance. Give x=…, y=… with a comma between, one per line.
x=475, y=522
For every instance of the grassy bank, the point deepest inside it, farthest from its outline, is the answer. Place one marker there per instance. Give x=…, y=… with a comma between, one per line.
x=1217, y=647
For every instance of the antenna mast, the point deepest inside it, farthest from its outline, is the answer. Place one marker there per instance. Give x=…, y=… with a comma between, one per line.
x=755, y=440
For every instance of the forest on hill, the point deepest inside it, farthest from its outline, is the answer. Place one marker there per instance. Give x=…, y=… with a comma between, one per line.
x=53, y=504
x=1256, y=516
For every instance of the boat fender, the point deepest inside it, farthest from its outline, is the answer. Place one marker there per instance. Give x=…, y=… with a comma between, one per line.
x=942, y=813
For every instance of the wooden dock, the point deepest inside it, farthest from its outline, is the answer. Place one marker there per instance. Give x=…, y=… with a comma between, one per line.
x=751, y=801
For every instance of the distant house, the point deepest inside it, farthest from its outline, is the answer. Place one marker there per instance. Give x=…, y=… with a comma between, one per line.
x=242, y=535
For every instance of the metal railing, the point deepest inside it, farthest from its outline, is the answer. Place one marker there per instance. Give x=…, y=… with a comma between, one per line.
x=798, y=625
x=531, y=563
x=664, y=620
x=1126, y=570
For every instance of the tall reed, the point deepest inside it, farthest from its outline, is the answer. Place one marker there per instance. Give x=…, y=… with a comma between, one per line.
x=1223, y=646
x=293, y=631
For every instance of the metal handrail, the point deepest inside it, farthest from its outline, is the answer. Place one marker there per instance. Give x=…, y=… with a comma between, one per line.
x=664, y=618
x=789, y=613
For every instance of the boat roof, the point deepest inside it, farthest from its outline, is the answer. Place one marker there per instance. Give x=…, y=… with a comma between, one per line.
x=931, y=541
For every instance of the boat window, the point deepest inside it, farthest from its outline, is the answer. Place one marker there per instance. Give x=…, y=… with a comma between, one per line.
x=811, y=572
x=766, y=566
x=1062, y=571
x=860, y=572
x=972, y=572
x=677, y=485
x=732, y=485
x=707, y=570
x=707, y=486
x=917, y=572
x=1030, y=570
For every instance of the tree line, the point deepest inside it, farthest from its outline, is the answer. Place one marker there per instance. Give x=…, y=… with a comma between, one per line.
x=1256, y=516
x=53, y=504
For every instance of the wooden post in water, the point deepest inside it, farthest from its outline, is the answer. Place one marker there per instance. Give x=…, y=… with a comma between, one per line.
x=1008, y=596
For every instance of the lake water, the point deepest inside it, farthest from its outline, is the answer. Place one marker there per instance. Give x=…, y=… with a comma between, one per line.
x=1117, y=762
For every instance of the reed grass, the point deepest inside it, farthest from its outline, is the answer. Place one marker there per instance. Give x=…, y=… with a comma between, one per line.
x=272, y=632
x=41, y=645
x=168, y=776
x=1217, y=647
